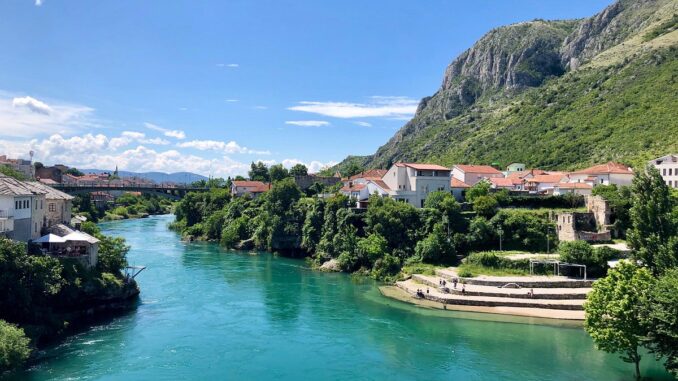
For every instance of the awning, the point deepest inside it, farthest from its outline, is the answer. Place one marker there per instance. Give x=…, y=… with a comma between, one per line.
x=50, y=238
x=80, y=236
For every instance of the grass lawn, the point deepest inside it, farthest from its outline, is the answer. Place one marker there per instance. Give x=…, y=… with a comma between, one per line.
x=476, y=270
x=420, y=268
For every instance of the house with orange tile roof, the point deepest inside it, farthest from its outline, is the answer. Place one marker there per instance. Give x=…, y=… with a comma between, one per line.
x=543, y=183
x=472, y=174
x=458, y=189
x=603, y=174
x=412, y=182
x=241, y=188
x=511, y=184
x=560, y=189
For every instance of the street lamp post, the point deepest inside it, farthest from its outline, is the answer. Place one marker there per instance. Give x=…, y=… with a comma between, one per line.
x=500, y=232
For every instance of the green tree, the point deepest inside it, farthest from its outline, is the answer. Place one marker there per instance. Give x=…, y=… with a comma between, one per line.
x=74, y=172
x=258, y=172
x=435, y=248
x=485, y=206
x=277, y=172
x=351, y=169
x=11, y=172
x=298, y=170
x=654, y=232
x=662, y=320
x=481, y=188
x=14, y=346
x=112, y=254
x=614, y=310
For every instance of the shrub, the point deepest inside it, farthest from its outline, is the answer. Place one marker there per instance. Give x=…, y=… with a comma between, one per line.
x=14, y=349
x=465, y=273
x=485, y=206
x=582, y=253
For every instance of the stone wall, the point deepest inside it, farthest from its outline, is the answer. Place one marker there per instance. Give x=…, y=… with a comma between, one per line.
x=305, y=182
x=600, y=209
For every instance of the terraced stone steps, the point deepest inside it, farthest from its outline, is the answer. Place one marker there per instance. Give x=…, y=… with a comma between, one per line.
x=411, y=286
x=495, y=291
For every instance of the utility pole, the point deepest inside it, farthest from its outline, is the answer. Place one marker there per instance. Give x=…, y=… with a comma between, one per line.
x=500, y=232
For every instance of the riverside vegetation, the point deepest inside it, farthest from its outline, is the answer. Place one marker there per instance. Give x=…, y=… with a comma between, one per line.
x=377, y=241
x=391, y=236
x=43, y=297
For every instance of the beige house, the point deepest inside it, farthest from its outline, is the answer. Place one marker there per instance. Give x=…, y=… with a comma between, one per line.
x=412, y=182
x=58, y=204
x=472, y=174
x=603, y=174
x=241, y=188
x=22, y=209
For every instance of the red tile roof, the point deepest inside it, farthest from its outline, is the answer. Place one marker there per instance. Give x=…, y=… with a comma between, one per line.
x=456, y=183
x=353, y=188
x=546, y=178
x=369, y=174
x=258, y=186
x=603, y=169
x=423, y=167
x=381, y=184
x=485, y=169
x=504, y=182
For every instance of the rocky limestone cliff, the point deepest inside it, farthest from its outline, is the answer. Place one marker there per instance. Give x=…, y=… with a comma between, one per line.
x=511, y=59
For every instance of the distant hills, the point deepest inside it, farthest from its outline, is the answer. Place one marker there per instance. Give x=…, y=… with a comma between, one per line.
x=158, y=177
x=553, y=94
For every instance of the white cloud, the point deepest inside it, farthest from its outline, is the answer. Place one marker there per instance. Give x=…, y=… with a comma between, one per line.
x=26, y=117
x=231, y=65
x=379, y=106
x=38, y=3
x=129, y=137
x=308, y=123
x=32, y=104
x=232, y=100
x=313, y=166
x=177, y=134
x=260, y=107
x=216, y=145
x=97, y=151
x=362, y=124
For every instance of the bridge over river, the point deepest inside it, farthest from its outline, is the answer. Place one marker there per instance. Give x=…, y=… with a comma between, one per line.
x=174, y=192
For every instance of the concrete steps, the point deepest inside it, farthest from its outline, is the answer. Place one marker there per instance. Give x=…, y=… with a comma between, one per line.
x=494, y=291
x=411, y=286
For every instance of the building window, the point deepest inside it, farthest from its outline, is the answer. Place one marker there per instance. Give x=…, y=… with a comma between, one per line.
x=52, y=207
x=36, y=227
x=16, y=205
x=664, y=172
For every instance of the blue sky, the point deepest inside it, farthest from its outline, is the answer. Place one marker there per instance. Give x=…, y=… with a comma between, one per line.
x=209, y=86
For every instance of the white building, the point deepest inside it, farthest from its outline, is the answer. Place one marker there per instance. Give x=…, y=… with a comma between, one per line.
x=668, y=168
x=472, y=174
x=412, y=182
x=22, y=210
x=603, y=174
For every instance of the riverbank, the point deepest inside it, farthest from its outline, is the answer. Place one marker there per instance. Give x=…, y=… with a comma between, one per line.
x=394, y=292
x=211, y=313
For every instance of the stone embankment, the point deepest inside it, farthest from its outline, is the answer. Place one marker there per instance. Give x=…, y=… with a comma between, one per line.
x=539, y=296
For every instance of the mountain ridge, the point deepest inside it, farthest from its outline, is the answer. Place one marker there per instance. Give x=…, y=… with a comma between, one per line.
x=487, y=91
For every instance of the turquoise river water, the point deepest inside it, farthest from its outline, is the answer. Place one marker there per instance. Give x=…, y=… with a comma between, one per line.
x=209, y=314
